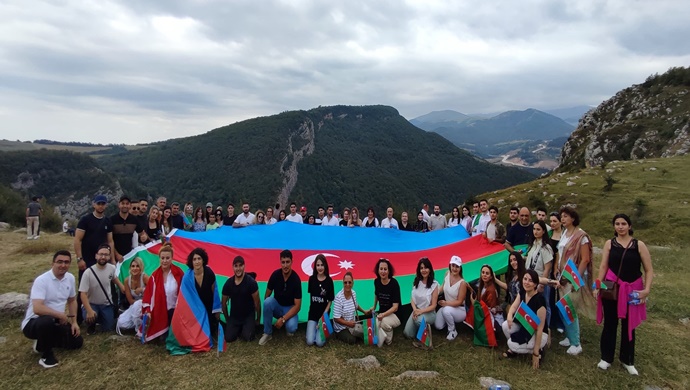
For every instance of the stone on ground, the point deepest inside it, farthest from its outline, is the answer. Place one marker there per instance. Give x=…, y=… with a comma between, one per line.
x=487, y=381
x=13, y=303
x=417, y=374
x=367, y=362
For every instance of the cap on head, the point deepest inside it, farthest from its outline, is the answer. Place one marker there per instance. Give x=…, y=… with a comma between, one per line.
x=125, y=197
x=456, y=260
x=238, y=260
x=100, y=199
x=303, y=208
x=209, y=204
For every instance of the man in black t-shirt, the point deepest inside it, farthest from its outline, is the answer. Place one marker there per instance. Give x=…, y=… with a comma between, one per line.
x=93, y=230
x=143, y=217
x=243, y=293
x=124, y=227
x=287, y=300
x=177, y=218
x=521, y=233
x=229, y=219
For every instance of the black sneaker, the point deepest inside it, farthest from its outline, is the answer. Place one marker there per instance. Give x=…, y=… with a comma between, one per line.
x=91, y=329
x=48, y=361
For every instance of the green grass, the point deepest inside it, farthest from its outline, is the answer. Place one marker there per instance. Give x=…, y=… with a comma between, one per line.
x=663, y=221
x=285, y=362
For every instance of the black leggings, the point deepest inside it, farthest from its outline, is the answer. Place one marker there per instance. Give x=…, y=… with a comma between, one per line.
x=608, y=335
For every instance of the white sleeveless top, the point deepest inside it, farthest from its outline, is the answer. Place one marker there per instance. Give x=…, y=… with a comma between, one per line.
x=451, y=292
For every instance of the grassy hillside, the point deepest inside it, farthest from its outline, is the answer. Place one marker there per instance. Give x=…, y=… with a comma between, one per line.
x=654, y=192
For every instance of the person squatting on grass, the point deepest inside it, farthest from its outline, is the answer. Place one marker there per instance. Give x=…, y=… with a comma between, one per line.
x=45, y=320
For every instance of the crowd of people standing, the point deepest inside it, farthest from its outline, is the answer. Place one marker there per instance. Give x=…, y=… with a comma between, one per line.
x=533, y=278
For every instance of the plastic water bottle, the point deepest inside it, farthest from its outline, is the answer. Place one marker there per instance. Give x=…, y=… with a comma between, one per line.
x=499, y=387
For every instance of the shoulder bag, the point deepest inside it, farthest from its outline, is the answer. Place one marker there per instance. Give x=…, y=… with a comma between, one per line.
x=611, y=291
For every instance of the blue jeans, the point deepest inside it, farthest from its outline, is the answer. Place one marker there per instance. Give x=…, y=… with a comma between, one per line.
x=272, y=309
x=104, y=316
x=412, y=325
x=313, y=334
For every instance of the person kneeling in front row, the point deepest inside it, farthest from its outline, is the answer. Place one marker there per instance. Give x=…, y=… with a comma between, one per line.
x=45, y=320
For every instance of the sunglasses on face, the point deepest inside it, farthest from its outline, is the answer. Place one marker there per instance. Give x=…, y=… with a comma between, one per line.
x=347, y=282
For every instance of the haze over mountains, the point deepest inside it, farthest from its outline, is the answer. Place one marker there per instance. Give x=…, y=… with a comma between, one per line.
x=531, y=137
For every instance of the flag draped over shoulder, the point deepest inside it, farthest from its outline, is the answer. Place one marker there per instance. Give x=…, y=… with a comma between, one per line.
x=190, y=329
x=480, y=320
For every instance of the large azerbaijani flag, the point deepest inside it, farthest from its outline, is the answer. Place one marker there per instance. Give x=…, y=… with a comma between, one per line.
x=347, y=249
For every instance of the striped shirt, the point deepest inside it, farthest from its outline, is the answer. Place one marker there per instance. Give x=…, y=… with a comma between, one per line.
x=343, y=308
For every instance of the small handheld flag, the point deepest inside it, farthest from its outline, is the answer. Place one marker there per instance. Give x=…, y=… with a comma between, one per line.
x=222, y=344
x=527, y=318
x=567, y=309
x=573, y=275
x=144, y=323
x=325, y=327
x=370, y=331
x=598, y=285
x=423, y=333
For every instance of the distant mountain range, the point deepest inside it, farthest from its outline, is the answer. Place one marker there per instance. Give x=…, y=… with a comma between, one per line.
x=342, y=155
x=511, y=137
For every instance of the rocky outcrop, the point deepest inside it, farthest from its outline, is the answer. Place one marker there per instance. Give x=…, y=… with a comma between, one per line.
x=643, y=121
x=300, y=145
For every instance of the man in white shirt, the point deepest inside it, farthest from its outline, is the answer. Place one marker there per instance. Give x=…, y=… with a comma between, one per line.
x=246, y=218
x=329, y=219
x=479, y=224
x=437, y=221
x=389, y=221
x=45, y=320
x=293, y=216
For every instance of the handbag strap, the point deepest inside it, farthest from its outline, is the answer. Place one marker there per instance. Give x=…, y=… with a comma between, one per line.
x=620, y=267
x=101, y=284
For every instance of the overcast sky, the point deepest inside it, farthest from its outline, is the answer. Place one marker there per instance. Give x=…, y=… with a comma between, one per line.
x=133, y=71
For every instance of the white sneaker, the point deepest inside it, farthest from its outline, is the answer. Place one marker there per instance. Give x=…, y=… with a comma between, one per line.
x=265, y=338
x=560, y=330
x=564, y=343
x=36, y=237
x=574, y=350
x=29, y=238
x=452, y=335
x=604, y=365
x=631, y=369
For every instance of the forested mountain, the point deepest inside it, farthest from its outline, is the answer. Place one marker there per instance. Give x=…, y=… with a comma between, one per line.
x=344, y=155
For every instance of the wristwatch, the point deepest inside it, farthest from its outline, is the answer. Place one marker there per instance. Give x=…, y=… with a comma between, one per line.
x=80, y=259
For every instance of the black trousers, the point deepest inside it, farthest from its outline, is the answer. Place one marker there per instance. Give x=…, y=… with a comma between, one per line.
x=244, y=329
x=51, y=334
x=609, y=333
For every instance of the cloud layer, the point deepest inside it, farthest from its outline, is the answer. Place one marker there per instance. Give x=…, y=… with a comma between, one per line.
x=132, y=71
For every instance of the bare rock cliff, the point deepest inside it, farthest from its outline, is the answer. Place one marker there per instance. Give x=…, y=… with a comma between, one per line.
x=643, y=121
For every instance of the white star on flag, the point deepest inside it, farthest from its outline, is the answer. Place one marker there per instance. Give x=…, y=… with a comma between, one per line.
x=345, y=264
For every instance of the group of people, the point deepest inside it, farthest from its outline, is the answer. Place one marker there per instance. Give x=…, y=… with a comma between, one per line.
x=533, y=277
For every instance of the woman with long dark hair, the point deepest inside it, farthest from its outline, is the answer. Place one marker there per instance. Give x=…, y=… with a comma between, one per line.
x=424, y=300
x=466, y=220
x=622, y=261
x=519, y=339
x=322, y=292
x=488, y=293
x=540, y=259
x=199, y=223
x=516, y=270
x=370, y=220
x=205, y=283
x=454, y=218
